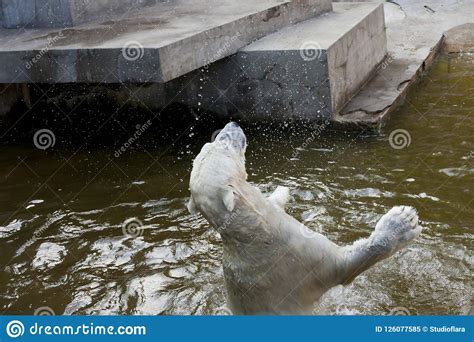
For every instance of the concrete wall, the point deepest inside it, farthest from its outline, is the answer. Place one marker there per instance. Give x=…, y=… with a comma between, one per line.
x=10, y=95
x=353, y=58
x=257, y=84
x=63, y=13
x=35, y=13
x=83, y=11
x=459, y=39
x=1, y=14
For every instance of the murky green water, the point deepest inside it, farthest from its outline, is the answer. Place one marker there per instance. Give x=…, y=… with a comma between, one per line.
x=62, y=210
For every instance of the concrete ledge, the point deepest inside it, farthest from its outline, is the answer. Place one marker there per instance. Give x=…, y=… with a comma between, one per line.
x=305, y=71
x=35, y=13
x=101, y=10
x=415, y=36
x=459, y=39
x=64, y=13
x=353, y=57
x=286, y=75
x=156, y=45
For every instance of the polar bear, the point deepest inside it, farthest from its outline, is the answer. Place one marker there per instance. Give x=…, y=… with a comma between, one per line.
x=272, y=263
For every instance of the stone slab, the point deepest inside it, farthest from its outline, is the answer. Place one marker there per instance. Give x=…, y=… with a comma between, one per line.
x=35, y=13
x=459, y=39
x=352, y=37
x=157, y=45
x=414, y=37
x=304, y=71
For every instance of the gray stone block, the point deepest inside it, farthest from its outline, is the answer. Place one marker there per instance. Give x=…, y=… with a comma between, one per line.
x=305, y=70
x=258, y=85
x=156, y=45
x=309, y=70
x=35, y=13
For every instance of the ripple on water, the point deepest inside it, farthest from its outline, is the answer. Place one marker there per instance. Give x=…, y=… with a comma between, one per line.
x=10, y=229
x=368, y=192
x=457, y=171
x=113, y=252
x=48, y=255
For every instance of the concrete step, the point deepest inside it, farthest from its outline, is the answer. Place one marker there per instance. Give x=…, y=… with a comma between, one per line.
x=345, y=46
x=308, y=70
x=416, y=34
x=152, y=44
x=64, y=13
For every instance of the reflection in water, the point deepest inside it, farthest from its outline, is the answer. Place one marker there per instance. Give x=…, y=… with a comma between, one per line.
x=64, y=245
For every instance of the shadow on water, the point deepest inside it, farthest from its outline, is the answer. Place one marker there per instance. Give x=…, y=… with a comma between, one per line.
x=66, y=225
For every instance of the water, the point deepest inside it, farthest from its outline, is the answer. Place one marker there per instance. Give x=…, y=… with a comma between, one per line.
x=62, y=210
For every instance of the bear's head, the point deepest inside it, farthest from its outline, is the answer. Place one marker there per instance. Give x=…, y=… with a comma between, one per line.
x=217, y=169
x=232, y=138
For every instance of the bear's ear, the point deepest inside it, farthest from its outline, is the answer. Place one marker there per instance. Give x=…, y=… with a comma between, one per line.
x=229, y=199
x=192, y=206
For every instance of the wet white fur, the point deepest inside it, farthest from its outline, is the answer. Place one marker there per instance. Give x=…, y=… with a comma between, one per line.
x=273, y=264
